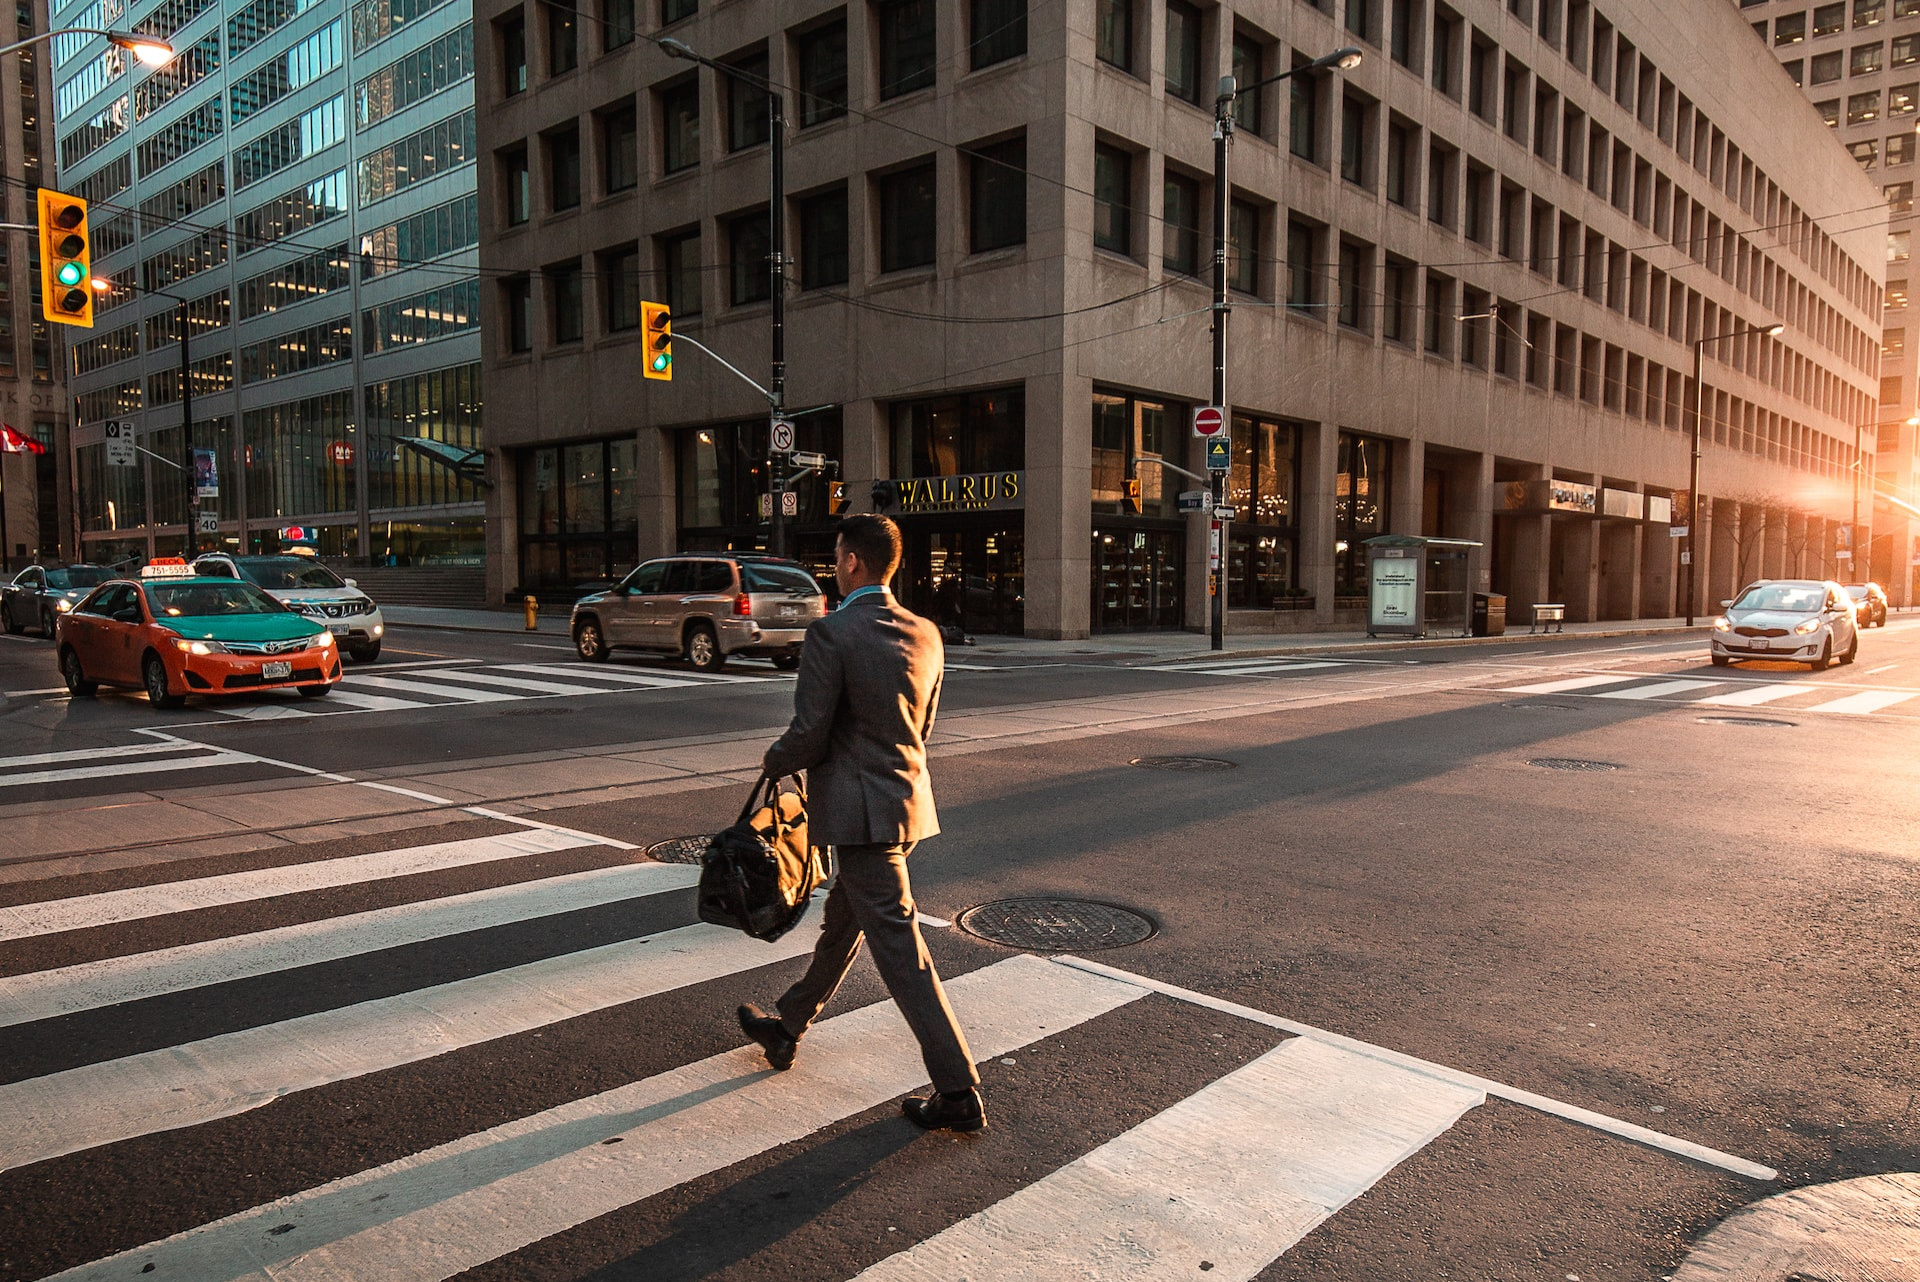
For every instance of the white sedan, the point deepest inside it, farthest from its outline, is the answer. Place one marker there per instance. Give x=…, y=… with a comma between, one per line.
x=1808, y=621
x=307, y=587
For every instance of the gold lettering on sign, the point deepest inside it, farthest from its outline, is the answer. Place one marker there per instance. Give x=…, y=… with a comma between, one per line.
x=1010, y=485
x=977, y=492
x=966, y=489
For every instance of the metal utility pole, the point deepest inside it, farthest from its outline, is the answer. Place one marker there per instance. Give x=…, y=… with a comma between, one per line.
x=1223, y=102
x=1689, y=545
x=777, y=426
x=777, y=458
x=186, y=438
x=1217, y=527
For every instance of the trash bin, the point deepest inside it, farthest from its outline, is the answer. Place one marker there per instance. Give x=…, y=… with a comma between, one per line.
x=1489, y=614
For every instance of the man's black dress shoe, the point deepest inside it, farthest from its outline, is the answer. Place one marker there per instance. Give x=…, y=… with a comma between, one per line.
x=770, y=1033
x=938, y=1112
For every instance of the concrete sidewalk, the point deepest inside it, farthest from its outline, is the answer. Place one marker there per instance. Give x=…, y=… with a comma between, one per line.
x=1123, y=647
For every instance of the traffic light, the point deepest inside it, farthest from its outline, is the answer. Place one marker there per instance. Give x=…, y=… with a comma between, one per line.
x=836, y=497
x=656, y=322
x=66, y=259
x=1133, y=494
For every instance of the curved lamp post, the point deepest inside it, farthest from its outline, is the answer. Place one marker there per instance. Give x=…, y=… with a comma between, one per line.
x=1693, y=466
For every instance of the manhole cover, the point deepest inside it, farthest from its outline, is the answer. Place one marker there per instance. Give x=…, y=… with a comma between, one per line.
x=678, y=850
x=1056, y=925
x=1541, y=707
x=1767, y=722
x=1181, y=763
x=1571, y=763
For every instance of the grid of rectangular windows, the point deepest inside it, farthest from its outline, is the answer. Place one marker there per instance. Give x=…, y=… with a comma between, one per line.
x=108, y=402
x=431, y=233
x=210, y=375
x=187, y=197
x=295, y=68
x=122, y=344
x=205, y=314
x=189, y=67
x=327, y=343
x=443, y=146
x=436, y=313
x=189, y=258
x=106, y=182
x=295, y=281
x=421, y=74
x=279, y=441
x=375, y=20
x=170, y=17
x=110, y=235
x=198, y=127
x=83, y=84
x=277, y=149
x=442, y=407
x=259, y=20
x=96, y=132
x=319, y=201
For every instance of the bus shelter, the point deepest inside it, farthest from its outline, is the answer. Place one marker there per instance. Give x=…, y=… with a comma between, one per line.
x=1419, y=586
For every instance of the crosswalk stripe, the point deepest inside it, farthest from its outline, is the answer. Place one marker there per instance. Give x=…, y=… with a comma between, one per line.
x=23, y=921
x=1658, y=690
x=660, y=681
x=1570, y=683
x=112, y=980
x=1866, y=701
x=138, y=766
x=369, y=702
x=445, y=692
x=1754, y=696
x=1232, y=1175
x=87, y=754
x=220, y=1076
x=436, y=1213
x=455, y=676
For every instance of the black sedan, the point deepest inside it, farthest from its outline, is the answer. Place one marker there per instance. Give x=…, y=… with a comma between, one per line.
x=39, y=595
x=1870, y=599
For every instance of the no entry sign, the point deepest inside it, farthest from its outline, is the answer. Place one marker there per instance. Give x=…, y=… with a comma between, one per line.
x=1208, y=420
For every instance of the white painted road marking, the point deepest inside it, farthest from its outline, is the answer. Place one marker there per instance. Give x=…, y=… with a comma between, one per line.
x=220, y=1076
x=457, y=676
x=440, y=1212
x=445, y=692
x=142, y=766
x=1569, y=683
x=1754, y=696
x=1233, y=1175
x=90, y=985
x=1867, y=701
x=23, y=921
x=1657, y=690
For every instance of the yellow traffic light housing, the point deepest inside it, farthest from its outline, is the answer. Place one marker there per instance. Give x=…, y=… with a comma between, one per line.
x=1133, y=494
x=656, y=322
x=66, y=259
x=836, y=497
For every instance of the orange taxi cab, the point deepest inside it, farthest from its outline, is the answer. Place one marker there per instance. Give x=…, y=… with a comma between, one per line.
x=174, y=633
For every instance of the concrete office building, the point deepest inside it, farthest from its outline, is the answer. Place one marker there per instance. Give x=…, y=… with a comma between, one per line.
x=33, y=399
x=1859, y=62
x=1000, y=238
x=301, y=178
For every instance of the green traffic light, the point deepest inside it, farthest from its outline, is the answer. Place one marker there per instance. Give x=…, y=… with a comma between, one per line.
x=70, y=274
x=661, y=362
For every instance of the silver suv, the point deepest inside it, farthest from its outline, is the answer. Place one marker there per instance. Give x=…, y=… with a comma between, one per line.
x=705, y=607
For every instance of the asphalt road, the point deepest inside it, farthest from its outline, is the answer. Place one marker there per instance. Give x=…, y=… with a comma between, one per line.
x=257, y=959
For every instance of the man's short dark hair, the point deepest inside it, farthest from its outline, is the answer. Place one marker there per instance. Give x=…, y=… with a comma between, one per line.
x=875, y=540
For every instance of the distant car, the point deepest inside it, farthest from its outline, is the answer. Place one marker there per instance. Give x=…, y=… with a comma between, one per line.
x=40, y=594
x=310, y=588
x=705, y=607
x=174, y=633
x=1871, y=600
x=1808, y=621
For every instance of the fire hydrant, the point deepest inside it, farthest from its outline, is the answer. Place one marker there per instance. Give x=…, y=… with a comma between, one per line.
x=533, y=613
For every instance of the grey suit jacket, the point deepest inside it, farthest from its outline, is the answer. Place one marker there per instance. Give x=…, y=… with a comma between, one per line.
x=869, y=684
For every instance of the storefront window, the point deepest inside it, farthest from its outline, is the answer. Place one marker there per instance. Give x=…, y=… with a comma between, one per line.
x=579, y=516
x=961, y=435
x=723, y=474
x=1126, y=432
x=1360, y=505
x=1262, y=490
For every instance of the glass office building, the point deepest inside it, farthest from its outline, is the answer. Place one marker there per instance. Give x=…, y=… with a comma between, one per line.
x=296, y=189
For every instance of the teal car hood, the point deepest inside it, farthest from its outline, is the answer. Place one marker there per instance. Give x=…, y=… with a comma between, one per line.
x=241, y=627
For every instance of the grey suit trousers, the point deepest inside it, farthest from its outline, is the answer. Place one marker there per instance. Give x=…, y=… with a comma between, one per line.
x=871, y=897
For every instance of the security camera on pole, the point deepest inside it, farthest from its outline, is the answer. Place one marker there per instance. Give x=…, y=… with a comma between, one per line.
x=1218, y=444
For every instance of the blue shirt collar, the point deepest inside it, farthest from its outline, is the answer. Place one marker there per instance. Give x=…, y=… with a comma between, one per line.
x=857, y=593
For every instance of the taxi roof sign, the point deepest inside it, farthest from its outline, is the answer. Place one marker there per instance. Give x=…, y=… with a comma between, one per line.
x=167, y=567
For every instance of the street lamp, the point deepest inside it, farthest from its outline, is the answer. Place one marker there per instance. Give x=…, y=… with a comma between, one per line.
x=190, y=535
x=1693, y=465
x=777, y=458
x=1346, y=59
x=151, y=52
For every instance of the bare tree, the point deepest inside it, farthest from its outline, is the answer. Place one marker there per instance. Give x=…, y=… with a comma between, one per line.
x=1760, y=511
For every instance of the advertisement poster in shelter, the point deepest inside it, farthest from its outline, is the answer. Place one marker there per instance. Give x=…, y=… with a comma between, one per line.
x=1396, y=581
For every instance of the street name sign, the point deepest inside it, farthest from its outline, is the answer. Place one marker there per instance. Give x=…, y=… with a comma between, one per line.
x=1193, y=500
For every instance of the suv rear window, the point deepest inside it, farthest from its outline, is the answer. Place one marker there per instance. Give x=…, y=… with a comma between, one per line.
x=778, y=578
x=712, y=576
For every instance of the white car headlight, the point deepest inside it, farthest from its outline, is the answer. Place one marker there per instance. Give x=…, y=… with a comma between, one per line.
x=1723, y=624
x=321, y=640
x=199, y=647
x=1807, y=627
x=63, y=605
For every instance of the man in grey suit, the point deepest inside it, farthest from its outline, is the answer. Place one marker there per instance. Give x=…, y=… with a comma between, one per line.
x=864, y=705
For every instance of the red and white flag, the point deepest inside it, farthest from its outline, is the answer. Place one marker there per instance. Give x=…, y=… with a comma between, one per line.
x=12, y=442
